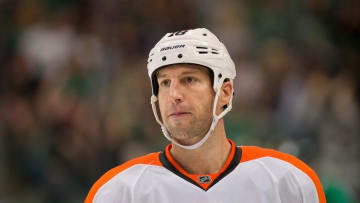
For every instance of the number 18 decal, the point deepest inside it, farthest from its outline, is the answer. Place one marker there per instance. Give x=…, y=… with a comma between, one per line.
x=178, y=33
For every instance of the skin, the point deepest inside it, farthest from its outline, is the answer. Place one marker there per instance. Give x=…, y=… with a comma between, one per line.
x=186, y=100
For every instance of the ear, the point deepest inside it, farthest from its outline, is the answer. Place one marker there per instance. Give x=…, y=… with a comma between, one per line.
x=225, y=96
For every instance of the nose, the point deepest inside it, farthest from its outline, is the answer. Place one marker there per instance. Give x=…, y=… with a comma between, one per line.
x=175, y=94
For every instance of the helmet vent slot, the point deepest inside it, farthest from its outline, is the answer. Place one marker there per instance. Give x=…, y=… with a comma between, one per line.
x=207, y=50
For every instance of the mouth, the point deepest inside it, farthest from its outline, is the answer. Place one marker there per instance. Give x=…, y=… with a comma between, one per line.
x=178, y=114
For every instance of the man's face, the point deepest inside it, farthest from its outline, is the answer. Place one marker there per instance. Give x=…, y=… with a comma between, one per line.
x=186, y=100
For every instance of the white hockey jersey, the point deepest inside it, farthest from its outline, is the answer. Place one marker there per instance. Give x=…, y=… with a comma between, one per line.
x=250, y=175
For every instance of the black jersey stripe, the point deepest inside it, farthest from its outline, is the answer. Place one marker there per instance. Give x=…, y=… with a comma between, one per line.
x=234, y=162
x=166, y=163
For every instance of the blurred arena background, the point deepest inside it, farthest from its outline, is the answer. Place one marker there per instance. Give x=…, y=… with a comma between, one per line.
x=75, y=95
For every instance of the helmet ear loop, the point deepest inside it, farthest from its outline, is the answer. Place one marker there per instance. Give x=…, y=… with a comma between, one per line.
x=154, y=99
x=229, y=106
x=217, y=89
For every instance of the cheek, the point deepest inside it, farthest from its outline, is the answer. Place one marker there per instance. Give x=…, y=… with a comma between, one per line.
x=162, y=106
x=204, y=104
x=209, y=103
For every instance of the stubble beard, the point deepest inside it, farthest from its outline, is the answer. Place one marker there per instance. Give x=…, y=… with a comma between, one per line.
x=192, y=130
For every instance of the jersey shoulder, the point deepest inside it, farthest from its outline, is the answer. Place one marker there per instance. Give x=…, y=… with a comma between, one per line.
x=251, y=153
x=149, y=159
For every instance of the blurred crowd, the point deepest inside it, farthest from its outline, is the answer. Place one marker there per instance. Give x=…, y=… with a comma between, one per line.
x=75, y=95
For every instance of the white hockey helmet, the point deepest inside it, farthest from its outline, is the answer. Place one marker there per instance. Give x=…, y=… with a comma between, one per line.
x=196, y=46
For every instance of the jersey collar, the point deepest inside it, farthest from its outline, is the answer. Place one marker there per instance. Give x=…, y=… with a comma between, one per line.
x=204, y=181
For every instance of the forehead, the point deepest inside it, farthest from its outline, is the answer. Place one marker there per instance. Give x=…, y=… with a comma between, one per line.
x=182, y=69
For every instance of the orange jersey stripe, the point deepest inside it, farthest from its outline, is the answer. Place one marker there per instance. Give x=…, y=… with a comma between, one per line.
x=252, y=152
x=150, y=159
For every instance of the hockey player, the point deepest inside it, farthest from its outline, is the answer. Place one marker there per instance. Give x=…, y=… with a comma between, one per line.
x=192, y=76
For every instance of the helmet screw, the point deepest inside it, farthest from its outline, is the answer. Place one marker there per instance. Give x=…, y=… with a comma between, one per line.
x=180, y=56
x=204, y=34
x=220, y=75
x=164, y=58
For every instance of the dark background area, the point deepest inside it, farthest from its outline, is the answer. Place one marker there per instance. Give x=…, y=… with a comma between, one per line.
x=75, y=95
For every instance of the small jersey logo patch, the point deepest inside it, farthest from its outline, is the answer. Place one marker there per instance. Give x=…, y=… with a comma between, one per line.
x=204, y=179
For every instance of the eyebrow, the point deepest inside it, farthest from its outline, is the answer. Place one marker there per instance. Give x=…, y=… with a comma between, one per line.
x=162, y=75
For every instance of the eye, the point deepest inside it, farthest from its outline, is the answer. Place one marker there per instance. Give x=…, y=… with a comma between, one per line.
x=165, y=83
x=189, y=79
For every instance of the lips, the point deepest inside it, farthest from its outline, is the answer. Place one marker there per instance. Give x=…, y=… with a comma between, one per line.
x=179, y=114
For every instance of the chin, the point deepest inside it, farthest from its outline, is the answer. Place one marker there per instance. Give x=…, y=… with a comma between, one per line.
x=178, y=126
x=180, y=134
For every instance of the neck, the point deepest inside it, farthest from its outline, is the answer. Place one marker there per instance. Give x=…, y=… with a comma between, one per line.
x=208, y=158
